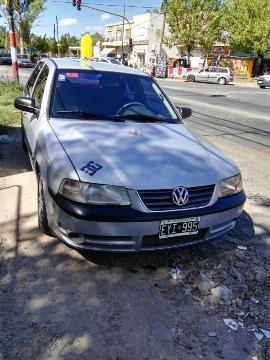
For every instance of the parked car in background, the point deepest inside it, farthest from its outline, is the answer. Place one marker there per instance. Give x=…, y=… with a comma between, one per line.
x=24, y=61
x=110, y=60
x=117, y=168
x=213, y=74
x=264, y=81
x=5, y=59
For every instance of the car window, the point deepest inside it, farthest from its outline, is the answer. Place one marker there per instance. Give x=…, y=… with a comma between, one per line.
x=40, y=86
x=109, y=94
x=115, y=61
x=31, y=82
x=104, y=60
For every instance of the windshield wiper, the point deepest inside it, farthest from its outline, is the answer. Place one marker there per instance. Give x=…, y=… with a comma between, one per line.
x=140, y=117
x=89, y=115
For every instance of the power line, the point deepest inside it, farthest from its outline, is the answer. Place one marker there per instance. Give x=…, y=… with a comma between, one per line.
x=115, y=5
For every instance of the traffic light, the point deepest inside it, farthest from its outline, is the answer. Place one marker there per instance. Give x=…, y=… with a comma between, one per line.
x=77, y=3
x=130, y=43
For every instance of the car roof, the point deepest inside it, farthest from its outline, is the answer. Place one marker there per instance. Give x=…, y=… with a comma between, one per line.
x=78, y=64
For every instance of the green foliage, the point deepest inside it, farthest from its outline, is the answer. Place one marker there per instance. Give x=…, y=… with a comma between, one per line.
x=96, y=37
x=194, y=22
x=9, y=115
x=3, y=36
x=67, y=40
x=24, y=16
x=248, y=25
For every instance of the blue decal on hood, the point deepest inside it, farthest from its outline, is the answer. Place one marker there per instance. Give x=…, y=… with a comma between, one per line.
x=91, y=168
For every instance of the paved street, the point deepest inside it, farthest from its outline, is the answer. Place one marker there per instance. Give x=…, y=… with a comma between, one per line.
x=6, y=73
x=237, y=120
x=62, y=304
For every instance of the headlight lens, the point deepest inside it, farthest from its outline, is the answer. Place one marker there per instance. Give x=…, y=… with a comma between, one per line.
x=93, y=193
x=231, y=185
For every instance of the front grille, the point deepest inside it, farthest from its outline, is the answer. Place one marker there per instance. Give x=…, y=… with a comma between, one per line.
x=153, y=241
x=158, y=200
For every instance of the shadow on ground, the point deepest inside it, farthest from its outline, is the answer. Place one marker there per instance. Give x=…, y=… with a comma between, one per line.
x=59, y=304
x=13, y=159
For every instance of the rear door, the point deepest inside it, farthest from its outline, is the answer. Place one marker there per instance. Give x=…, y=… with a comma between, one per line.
x=213, y=74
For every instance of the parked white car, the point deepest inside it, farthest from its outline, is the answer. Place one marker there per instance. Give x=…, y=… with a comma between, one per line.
x=264, y=81
x=110, y=60
x=213, y=74
x=117, y=168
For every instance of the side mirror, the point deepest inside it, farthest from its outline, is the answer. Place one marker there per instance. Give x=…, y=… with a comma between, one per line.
x=26, y=104
x=184, y=111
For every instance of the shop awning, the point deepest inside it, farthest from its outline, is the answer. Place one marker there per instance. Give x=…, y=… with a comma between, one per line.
x=107, y=51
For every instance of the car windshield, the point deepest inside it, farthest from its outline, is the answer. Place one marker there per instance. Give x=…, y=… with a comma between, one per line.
x=22, y=57
x=96, y=95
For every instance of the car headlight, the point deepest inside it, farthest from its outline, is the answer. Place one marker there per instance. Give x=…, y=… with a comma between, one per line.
x=231, y=185
x=93, y=193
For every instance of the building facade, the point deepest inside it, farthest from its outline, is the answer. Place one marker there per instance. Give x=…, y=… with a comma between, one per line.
x=144, y=30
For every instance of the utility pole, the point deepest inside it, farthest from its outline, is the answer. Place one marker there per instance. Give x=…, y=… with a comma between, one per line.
x=12, y=39
x=123, y=28
x=57, y=37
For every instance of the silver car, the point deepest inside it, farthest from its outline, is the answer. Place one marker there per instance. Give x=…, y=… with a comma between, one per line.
x=264, y=81
x=24, y=61
x=110, y=60
x=117, y=168
x=213, y=74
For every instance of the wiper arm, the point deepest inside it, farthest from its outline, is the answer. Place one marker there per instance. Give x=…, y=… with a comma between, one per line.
x=140, y=117
x=89, y=114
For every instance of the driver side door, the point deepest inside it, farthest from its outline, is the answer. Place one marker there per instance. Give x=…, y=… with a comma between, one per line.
x=37, y=95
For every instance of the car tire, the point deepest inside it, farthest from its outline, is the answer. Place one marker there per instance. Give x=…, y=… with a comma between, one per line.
x=262, y=86
x=24, y=146
x=42, y=213
x=222, y=81
x=191, y=78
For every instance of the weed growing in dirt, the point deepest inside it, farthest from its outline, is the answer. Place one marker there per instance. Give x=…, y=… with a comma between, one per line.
x=9, y=115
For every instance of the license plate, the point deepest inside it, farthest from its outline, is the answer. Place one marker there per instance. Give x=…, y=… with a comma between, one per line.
x=259, y=81
x=179, y=227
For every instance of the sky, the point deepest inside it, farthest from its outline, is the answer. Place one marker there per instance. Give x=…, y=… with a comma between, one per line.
x=77, y=22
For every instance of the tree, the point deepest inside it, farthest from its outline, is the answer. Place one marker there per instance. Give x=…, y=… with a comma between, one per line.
x=194, y=22
x=3, y=36
x=66, y=41
x=248, y=25
x=42, y=43
x=96, y=37
x=25, y=14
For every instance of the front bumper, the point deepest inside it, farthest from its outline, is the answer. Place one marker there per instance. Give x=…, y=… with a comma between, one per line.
x=124, y=229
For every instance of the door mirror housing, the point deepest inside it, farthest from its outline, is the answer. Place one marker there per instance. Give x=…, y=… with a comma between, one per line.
x=185, y=111
x=26, y=104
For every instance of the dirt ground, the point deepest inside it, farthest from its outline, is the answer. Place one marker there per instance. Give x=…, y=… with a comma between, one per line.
x=57, y=303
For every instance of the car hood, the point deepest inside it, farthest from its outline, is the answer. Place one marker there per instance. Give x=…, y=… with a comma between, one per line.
x=265, y=77
x=140, y=155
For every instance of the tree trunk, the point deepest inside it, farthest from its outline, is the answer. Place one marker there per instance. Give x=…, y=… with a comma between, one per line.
x=261, y=57
x=21, y=43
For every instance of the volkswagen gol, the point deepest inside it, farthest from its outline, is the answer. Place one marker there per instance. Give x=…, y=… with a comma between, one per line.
x=117, y=168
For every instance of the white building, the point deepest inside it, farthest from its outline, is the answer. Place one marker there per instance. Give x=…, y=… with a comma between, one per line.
x=143, y=30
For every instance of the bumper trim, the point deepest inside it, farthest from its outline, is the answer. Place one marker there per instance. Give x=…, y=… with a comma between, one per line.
x=129, y=214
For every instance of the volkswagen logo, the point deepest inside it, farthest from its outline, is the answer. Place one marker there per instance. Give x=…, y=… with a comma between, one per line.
x=180, y=196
